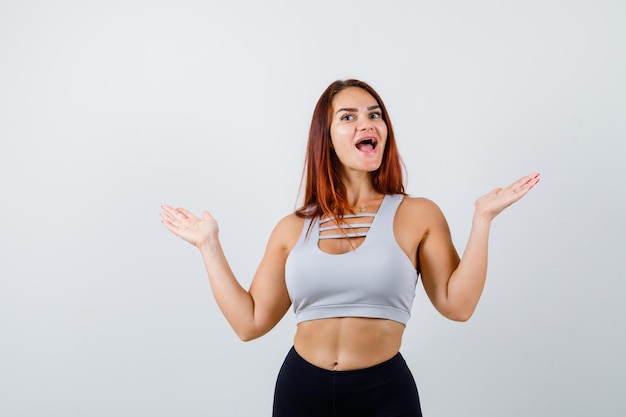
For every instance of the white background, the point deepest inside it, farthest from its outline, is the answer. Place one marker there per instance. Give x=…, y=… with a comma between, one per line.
x=110, y=109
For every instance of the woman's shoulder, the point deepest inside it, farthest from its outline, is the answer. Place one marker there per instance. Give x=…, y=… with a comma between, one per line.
x=291, y=221
x=288, y=229
x=419, y=203
x=419, y=207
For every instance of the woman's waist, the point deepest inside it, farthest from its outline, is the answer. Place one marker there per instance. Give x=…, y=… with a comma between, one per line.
x=348, y=343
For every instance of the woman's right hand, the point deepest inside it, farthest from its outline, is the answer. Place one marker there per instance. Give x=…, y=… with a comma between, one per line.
x=188, y=226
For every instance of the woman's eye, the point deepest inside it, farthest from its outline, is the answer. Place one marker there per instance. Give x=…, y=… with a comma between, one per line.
x=347, y=117
x=375, y=116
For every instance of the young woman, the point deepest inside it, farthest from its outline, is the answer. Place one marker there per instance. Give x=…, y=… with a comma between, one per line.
x=348, y=261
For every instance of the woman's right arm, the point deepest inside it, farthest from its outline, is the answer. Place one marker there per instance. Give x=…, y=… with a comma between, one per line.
x=250, y=313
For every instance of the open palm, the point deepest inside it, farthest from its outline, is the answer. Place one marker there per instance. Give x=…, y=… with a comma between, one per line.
x=493, y=203
x=188, y=226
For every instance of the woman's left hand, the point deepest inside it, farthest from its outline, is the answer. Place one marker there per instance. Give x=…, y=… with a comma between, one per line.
x=492, y=204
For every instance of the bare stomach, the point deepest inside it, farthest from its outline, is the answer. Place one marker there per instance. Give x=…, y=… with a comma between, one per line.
x=347, y=343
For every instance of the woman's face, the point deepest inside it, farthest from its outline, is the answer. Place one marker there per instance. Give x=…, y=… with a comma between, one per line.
x=357, y=130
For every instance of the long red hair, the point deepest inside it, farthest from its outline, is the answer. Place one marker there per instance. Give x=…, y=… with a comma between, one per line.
x=324, y=192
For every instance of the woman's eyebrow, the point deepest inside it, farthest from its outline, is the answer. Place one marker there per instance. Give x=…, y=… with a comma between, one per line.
x=353, y=109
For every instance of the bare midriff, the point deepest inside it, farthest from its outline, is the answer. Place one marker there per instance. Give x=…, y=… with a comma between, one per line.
x=348, y=343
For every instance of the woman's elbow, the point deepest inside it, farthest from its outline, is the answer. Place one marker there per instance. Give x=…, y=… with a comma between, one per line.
x=462, y=318
x=247, y=335
x=457, y=314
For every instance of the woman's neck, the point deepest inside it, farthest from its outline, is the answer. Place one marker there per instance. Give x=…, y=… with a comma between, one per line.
x=360, y=192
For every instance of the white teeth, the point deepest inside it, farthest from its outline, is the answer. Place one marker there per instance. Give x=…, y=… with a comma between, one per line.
x=370, y=142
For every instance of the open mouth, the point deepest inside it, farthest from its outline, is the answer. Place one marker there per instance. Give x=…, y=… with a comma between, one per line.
x=367, y=144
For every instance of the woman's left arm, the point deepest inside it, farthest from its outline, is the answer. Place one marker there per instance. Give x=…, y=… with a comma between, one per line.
x=454, y=286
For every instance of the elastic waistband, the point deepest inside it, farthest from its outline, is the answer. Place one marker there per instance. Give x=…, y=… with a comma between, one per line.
x=352, y=380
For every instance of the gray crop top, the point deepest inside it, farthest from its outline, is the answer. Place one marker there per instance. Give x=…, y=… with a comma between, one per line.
x=376, y=280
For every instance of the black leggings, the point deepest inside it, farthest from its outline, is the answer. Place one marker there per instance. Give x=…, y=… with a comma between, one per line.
x=383, y=390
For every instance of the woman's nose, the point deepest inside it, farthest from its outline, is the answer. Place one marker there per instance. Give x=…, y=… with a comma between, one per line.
x=365, y=124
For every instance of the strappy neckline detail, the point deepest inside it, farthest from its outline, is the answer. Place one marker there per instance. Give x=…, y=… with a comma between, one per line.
x=346, y=230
